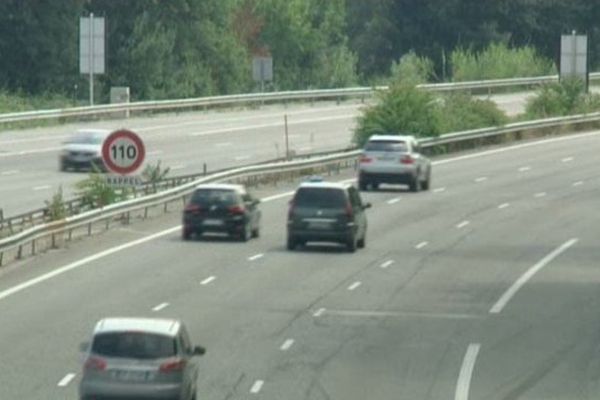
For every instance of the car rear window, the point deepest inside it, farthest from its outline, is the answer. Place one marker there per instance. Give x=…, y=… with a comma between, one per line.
x=134, y=345
x=204, y=197
x=320, y=197
x=380, y=145
x=86, y=138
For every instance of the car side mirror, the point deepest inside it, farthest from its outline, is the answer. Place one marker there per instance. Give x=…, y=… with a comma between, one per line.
x=84, y=347
x=367, y=205
x=198, y=351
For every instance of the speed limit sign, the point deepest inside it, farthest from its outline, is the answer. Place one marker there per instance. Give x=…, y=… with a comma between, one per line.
x=123, y=152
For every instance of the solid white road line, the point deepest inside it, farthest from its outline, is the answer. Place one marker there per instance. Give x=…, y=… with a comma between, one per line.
x=208, y=280
x=567, y=159
x=287, y=344
x=421, y=245
x=439, y=190
x=319, y=312
x=161, y=306
x=154, y=153
x=463, y=384
x=43, y=187
x=256, y=387
x=240, y=158
x=509, y=294
x=540, y=194
x=578, y=183
x=524, y=169
x=481, y=179
x=354, y=285
x=387, y=263
x=462, y=224
x=66, y=380
x=504, y=205
x=256, y=257
x=84, y=261
x=394, y=201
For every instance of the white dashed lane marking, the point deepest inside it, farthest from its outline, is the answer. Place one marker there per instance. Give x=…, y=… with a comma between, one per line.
x=421, y=245
x=256, y=257
x=540, y=194
x=439, y=190
x=161, y=306
x=524, y=169
x=287, y=344
x=463, y=224
x=578, y=183
x=394, y=201
x=256, y=387
x=481, y=179
x=11, y=172
x=43, y=187
x=503, y=205
x=567, y=159
x=208, y=280
x=354, y=286
x=66, y=380
x=319, y=312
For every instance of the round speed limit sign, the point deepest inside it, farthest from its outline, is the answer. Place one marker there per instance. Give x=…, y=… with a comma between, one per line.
x=123, y=152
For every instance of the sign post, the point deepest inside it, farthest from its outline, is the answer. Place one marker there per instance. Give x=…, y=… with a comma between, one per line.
x=91, y=49
x=123, y=153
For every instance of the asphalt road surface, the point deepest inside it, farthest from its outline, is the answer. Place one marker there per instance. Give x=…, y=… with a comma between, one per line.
x=484, y=288
x=29, y=172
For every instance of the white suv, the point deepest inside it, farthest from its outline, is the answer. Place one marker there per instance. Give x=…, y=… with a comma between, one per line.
x=393, y=159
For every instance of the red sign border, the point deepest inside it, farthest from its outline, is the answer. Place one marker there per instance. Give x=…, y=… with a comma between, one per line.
x=118, y=134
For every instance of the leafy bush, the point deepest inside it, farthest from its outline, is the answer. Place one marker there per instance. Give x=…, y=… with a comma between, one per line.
x=15, y=102
x=561, y=98
x=460, y=111
x=56, y=206
x=402, y=109
x=499, y=61
x=412, y=69
x=96, y=192
x=155, y=173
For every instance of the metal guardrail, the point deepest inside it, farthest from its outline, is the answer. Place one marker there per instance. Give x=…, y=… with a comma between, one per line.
x=337, y=94
x=56, y=231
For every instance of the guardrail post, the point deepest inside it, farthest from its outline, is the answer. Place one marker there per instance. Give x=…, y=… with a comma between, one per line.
x=107, y=223
x=204, y=169
x=145, y=212
x=70, y=237
x=165, y=208
x=20, y=252
x=1, y=219
x=33, y=247
x=53, y=240
x=90, y=229
x=1, y=257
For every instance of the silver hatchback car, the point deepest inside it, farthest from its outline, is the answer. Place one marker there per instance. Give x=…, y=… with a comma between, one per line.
x=139, y=358
x=393, y=159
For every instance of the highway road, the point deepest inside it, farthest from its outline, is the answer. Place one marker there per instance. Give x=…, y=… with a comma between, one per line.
x=483, y=288
x=185, y=142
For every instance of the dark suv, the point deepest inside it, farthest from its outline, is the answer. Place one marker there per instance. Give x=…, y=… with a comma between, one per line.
x=222, y=208
x=327, y=212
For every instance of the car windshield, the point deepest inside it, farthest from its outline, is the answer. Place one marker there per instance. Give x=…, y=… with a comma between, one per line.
x=320, y=198
x=204, y=197
x=134, y=345
x=86, y=138
x=386, y=145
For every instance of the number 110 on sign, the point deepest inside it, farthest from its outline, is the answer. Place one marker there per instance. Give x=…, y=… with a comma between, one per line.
x=122, y=151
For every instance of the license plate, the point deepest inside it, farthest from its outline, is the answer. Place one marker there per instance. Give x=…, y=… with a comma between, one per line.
x=319, y=225
x=386, y=158
x=212, y=222
x=132, y=376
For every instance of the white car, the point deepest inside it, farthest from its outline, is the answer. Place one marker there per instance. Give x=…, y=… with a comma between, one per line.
x=83, y=150
x=393, y=159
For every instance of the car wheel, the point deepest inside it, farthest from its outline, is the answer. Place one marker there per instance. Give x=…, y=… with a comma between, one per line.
x=362, y=242
x=351, y=244
x=62, y=166
x=246, y=233
x=291, y=243
x=256, y=232
x=415, y=184
x=427, y=182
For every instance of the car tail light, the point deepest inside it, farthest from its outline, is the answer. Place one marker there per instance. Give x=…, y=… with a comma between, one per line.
x=236, y=210
x=407, y=159
x=349, y=211
x=175, y=365
x=365, y=160
x=95, y=363
x=193, y=209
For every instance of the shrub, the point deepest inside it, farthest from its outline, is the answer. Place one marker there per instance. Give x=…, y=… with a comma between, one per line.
x=460, y=112
x=155, y=173
x=561, y=98
x=56, y=206
x=96, y=192
x=412, y=69
x=402, y=109
x=499, y=61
